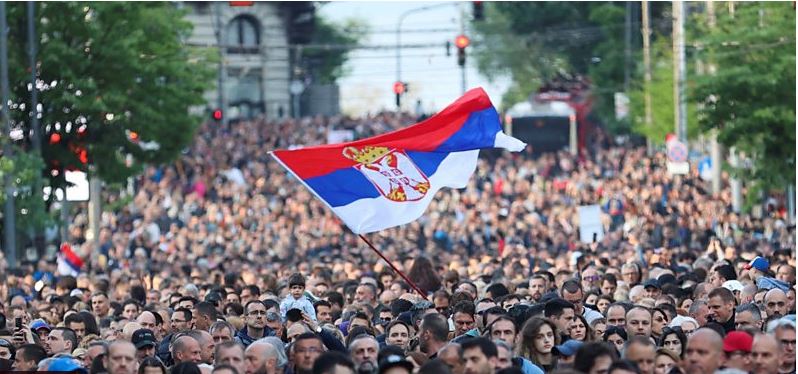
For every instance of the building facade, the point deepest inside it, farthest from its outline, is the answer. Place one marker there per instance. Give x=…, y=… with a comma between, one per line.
x=256, y=52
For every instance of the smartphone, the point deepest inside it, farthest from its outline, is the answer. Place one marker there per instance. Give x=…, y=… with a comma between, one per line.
x=18, y=323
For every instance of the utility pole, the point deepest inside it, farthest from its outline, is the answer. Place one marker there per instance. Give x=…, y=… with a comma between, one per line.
x=463, y=67
x=36, y=140
x=221, y=74
x=679, y=71
x=9, y=220
x=716, y=151
x=627, y=52
x=647, y=71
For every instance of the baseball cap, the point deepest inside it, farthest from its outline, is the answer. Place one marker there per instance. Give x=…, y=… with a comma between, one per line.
x=758, y=263
x=143, y=337
x=651, y=283
x=568, y=348
x=395, y=361
x=733, y=285
x=39, y=324
x=66, y=364
x=738, y=341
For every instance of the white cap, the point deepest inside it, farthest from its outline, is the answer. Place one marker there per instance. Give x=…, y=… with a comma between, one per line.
x=76, y=293
x=733, y=285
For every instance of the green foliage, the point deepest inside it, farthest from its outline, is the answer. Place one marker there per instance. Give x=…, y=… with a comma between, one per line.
x=108, y=69
x=327, y=65
x=24, y=168
x=662, y=104
x=750, y=100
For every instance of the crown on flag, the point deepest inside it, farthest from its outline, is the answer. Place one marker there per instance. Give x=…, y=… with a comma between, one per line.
x=365, y=155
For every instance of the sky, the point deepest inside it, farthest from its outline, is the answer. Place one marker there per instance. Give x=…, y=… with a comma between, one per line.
x=432, y=77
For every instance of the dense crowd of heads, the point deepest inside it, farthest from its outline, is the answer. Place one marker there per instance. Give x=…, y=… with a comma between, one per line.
x=223, y=263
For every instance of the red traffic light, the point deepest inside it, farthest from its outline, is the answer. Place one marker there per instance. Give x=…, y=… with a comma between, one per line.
x=134, y=136
x=398, y=88
x=461, y=41
x=217, y=114
x=55, y=138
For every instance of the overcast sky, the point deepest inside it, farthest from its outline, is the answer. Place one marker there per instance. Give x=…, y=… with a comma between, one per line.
x=432, y=76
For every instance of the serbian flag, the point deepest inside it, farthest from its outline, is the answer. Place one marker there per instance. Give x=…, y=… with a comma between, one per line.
x=69, y=263
x=389, y=180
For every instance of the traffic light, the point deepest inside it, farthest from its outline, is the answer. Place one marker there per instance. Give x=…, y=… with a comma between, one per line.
x=479, y=11
x=217, y=115
x=461, y=42
x=399, y=88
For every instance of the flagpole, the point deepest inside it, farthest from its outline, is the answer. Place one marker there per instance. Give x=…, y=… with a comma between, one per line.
x=401, y=274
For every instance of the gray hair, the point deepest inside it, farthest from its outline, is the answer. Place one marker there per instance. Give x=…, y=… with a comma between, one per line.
x=218, y=325
x=751, y=308
x=279, y=346
x=781, y=323
x=503, y=344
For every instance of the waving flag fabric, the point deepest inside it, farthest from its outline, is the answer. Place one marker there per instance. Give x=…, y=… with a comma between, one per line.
x=389, y=180
x=69, y=263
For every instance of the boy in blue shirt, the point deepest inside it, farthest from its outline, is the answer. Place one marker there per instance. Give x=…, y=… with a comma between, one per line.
x=296, y=298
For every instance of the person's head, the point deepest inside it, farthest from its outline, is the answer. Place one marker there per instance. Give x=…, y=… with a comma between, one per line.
x=100, y=304
x=631, y=274
x=323, y=310
x=131, y=309
x=776, y=303
x=665, y=361
x=333, y=362
x=721, y=274
x=151, y=365
x=398, y=333
x=594, y=358
x=504, y=357
x=204, y=315
x=737, y=347
x=366, y=293
x=307, y=348
x=616, y=336
x=433, y=333
x=616, y=315
x=638, y=322
x=538, y=337
x=260, y=358
x=230, y=353
x=364, y=351
x=673, y=339
x=765, y=354
x=721, y=304
x=537, y=286
x=28, y=357
x=452, y=355
x=256, y=315
x=748, y=315
x=463, y=316
x=641, y=351
x=609, y=283
x=121, y=358
x=579, y=329
x=784, y=331
x=147, y=320
x=480, y=356
x=61, y=340
x=224, y=369
x=704, y=352
x=181, y=320
x=145, y=342
x=222, y=331
x=503, y=329
x=75, y=323
x=786, y=273
x=296, y=285
x=186, y=349
x=561, y=312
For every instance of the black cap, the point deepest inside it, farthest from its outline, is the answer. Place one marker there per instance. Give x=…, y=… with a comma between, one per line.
x=651, y=283
x=395, y=361
x=143, y=337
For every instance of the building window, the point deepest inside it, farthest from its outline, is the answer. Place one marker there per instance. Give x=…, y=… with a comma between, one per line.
x=243, y=35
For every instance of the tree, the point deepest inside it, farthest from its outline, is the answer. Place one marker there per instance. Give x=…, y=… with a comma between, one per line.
x=326, y=65
x=750, y=99
x=115, y=81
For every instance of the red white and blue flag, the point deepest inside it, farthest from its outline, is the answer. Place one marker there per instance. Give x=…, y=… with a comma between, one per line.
x=389, y=180
x=69, y=263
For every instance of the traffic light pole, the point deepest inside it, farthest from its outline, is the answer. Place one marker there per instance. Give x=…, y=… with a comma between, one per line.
x=221, y=43
x=463, y=66
x=399, y=35
x=9, y=221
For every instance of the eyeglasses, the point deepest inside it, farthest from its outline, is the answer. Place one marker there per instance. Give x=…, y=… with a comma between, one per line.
x=591, y=278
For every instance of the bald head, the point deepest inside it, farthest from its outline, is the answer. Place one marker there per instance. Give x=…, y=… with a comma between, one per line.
x=704, y=353
x=776, y=303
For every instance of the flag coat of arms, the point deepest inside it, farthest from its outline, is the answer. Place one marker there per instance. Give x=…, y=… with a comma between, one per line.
x=389, y=180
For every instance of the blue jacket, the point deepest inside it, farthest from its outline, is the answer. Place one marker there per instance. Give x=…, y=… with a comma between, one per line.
x=244, y=338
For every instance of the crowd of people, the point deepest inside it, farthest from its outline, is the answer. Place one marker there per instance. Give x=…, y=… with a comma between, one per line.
x=223, y=263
